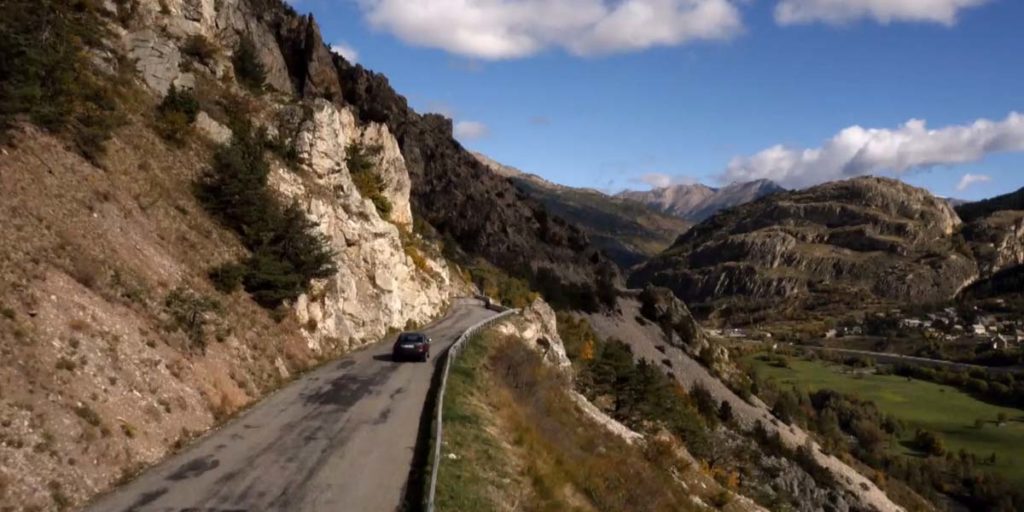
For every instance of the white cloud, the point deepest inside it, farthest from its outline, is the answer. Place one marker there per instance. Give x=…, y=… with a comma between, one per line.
x=662, y=180
x=504, y=29
x=857, y=151
x=346, y=50
x=837, y=12
x=471, y=130
x=971, y=179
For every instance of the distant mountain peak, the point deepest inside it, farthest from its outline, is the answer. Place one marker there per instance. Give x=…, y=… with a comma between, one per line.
x=697, y=201
x=628, y=231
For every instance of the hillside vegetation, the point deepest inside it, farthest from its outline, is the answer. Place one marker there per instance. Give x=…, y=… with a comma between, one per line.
x=970, y=212
x=852, y=245
x=895, y=422
x=516, y=440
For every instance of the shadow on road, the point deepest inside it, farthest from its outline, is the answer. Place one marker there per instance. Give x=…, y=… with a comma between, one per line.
x=415, y=494
x=384, y=357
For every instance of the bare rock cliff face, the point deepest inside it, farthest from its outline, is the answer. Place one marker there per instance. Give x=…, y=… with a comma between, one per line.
x=452, y=191
x=482, y=212
x=861, y=241
x=997, y=240
x=378, y=285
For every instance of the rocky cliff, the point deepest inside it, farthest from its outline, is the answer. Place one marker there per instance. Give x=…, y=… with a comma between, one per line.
x=378, y=285
x=484, y=213
x=627, y=231
x=117, y=348
x=861, y=242
x=997, y=240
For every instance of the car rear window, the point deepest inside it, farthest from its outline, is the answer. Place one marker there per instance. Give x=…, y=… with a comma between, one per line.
x=412, y=338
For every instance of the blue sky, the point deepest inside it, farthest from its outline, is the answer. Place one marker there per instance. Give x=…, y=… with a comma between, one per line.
x=595, y=94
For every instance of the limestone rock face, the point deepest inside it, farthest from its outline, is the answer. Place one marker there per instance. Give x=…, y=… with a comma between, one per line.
x=238, y=17
x=378, y=285
x=855, y=242
x=479, y=210
x=311, y=64
x=391, y=166
x=681, y=329
x=322, y=137
x=158, y=61
x=537, y=327
x=997, y=240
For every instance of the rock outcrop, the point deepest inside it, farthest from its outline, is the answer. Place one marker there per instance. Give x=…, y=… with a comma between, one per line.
x=537, y=327
x=482, y=212
x=378, y=285
x=450, y=190
x=158, y=61
x=997, y=240
x=681, y=330
x=311, y=63
x=857, y=242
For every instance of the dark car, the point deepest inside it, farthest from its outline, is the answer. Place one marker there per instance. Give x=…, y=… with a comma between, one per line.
x=411, y=346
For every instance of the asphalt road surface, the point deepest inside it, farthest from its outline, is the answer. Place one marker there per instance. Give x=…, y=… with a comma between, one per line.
x=340, y=439
x=891, y=358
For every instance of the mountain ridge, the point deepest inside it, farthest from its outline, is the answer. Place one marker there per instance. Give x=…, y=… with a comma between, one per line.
x=865, y=241
x=697, y=202
x=627, y=231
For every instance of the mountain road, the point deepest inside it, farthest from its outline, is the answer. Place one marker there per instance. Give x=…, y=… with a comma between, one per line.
x=341, y=438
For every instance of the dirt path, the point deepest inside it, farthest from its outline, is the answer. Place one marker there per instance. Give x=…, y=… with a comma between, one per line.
x=645, y=339
x=341, y=438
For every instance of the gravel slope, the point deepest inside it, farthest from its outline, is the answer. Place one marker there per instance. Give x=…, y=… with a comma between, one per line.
x=645, y=339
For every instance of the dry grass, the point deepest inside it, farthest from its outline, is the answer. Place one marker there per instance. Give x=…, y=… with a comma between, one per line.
x=521, y=442
x=88, y=255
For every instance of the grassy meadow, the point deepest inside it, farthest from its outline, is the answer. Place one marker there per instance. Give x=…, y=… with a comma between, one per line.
x=919, y=404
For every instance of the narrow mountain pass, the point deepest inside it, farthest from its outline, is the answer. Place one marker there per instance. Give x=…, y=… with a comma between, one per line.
x=340, y=438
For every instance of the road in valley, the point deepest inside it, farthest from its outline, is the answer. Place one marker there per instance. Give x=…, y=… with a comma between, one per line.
x=891, y=358
x=341, y=438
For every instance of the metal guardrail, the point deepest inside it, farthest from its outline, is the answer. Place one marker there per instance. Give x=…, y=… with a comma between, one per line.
x=453, y=352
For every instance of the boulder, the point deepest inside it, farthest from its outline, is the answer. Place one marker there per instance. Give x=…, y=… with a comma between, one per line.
x=212, y=129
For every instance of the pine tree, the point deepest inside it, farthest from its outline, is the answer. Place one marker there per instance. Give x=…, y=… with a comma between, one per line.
x=249, y=71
